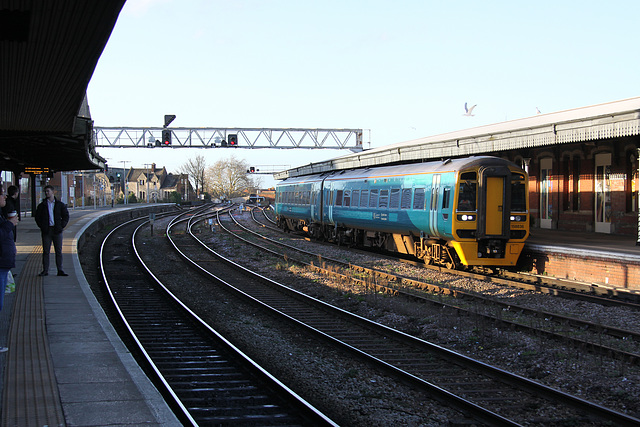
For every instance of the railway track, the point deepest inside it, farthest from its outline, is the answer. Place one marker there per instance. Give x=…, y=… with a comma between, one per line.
x=485, y=393
x=619, y=344
x=207, y=380
x=566, y=288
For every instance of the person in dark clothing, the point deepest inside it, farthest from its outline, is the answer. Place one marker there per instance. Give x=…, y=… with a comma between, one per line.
x=52, y=217
x=11, y=208
x=7, y=251
x=11, y=202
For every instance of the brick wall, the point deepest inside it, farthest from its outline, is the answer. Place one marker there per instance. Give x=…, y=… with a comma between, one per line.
x=591, y=269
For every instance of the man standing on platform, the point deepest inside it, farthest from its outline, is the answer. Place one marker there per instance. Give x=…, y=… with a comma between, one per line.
x=52, y=217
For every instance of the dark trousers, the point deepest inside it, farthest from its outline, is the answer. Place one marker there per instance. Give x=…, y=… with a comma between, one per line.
x=47, y=238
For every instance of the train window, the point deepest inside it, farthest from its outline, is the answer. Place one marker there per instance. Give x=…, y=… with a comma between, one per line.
x=347, y=198
x=373, y=201
x=394, y=200
x=467, y=196
x=405, y=203
x=468, y=176
x=355, y=196
x=518, y=197
x=418, y=198
x=364, y=198
x=446, y=195
x=383, y=202
x=339, y=198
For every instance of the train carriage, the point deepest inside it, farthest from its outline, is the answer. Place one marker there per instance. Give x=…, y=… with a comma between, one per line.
x=471, y=211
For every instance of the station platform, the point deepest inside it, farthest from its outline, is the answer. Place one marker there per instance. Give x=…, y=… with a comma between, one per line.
x=66, y=365
x=603, y=259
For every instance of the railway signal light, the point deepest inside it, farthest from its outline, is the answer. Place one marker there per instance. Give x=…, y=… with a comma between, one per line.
x=252, y=169
x=166, y=137
x=233, y=140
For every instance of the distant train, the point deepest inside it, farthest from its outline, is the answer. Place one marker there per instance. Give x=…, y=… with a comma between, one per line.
x=460, y=212
x=257, y=200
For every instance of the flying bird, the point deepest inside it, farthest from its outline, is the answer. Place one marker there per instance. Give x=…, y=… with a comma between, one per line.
x=468, y=111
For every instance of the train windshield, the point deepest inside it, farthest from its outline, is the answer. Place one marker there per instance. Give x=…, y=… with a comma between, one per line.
x=518, y=194
x=467, y=192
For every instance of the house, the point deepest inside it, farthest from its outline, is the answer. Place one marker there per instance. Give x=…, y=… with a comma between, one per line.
x=151, y=184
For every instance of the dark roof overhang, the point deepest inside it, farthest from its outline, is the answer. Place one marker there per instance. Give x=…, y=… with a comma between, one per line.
x=48, y=52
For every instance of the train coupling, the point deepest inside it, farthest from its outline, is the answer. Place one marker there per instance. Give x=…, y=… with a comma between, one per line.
x=491, y=248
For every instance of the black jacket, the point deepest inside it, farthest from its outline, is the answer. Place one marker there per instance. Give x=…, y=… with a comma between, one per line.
x=7, y=245
x=60, y=216
x=9, y=207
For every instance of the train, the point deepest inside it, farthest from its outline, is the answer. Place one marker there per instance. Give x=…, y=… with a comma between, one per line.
x=459, y=213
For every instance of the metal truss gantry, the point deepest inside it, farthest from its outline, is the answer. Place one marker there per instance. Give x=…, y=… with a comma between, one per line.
x=135, y=137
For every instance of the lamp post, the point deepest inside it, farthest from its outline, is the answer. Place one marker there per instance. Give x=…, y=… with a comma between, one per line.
x=147, y=166
x=125, y=190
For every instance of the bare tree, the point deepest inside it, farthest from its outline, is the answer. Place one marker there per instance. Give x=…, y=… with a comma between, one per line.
x=228, y=179
x=195, y=169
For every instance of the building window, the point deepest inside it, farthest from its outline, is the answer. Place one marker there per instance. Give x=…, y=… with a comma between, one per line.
x=546, y=193
x=566, y=181
x=630, y=185
x=575, y=190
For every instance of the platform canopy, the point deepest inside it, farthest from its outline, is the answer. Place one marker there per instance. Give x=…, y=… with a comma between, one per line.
x=48, y=53
x=597, y=122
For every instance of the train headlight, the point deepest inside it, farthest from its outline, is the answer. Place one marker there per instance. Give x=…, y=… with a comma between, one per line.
x=467, y=217
x=517, y=218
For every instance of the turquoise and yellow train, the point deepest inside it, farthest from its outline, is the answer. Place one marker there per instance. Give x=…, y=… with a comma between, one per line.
x=459, y=212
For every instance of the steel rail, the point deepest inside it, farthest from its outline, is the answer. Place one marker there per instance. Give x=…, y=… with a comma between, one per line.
x=435, y=289
x=461, y=360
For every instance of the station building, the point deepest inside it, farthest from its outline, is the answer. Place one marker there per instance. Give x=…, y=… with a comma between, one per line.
x=582, y=163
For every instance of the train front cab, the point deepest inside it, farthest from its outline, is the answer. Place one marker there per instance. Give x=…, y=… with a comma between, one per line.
x=491, y=222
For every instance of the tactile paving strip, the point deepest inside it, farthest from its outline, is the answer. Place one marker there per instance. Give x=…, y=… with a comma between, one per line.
x=29, y=359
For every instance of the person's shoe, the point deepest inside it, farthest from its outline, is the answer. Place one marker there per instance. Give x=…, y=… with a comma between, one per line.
x=3, y=349
x=43, y=273
x=62, y=273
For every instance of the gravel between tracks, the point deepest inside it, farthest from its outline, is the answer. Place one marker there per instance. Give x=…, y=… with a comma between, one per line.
x=356, y=394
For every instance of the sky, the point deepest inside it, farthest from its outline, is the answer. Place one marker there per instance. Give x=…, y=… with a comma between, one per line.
x=400, y=70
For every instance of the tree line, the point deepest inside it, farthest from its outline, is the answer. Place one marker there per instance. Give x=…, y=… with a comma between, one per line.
x=226, y=179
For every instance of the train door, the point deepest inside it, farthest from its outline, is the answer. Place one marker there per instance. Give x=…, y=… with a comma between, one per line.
x=495, y=196
x=329, y=204
x=433, y=205
x=444, y=220
x=494, y=201
x=315, y=201
x=603, y=193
